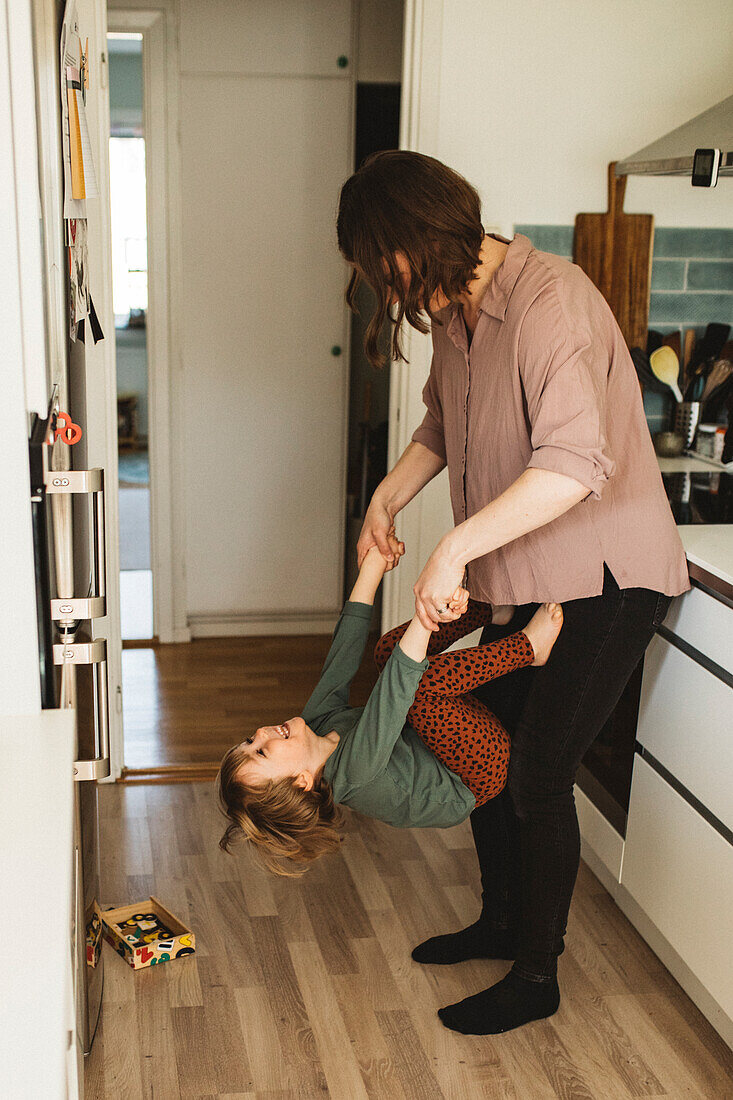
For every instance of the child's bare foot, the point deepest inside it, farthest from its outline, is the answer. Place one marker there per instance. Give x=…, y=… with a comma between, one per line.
x=543, y=629
x=501, y=613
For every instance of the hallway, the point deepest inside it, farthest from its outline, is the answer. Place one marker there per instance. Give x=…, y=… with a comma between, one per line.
x=305, y=988
x=187, y=704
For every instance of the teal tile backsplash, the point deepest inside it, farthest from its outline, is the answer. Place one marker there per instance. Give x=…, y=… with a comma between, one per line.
x=669, y=310
x=668, y=274
x=692, y=285
x=709, y=276
x=550, y=238
x=708, y=244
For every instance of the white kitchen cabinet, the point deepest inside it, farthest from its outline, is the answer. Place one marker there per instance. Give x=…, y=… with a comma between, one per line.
x=686, y=722
x=672, y=871
x=677, y=887
x=704, y=623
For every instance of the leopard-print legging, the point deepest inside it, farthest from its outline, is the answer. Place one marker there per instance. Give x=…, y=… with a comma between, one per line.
x=460, y=730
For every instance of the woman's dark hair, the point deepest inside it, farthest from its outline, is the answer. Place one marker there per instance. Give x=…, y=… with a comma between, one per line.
x=399, y=201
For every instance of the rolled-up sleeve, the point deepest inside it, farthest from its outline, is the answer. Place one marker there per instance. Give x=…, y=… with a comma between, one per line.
x=564, y=377
x=431, y=433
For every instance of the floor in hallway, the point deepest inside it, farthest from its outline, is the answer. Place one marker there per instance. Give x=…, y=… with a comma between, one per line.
x=305, y=988
x=186, y=704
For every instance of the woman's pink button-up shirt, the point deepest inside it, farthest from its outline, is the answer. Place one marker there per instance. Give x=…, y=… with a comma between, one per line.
x=548, y=382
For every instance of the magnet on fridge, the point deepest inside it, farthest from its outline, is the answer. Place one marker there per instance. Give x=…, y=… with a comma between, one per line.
x=66, y=429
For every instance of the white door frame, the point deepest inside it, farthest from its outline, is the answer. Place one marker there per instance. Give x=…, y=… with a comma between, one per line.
x=163, y=204
x=419, y=119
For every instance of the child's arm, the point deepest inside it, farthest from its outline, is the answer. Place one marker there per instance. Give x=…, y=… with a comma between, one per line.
x=367, y=751
x=373, y=568
x=414, y=642
x=349, y=639
x=370, y=576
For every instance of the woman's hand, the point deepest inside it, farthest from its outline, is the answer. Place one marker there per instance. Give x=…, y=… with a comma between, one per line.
x=375, y=531
x=439, y=592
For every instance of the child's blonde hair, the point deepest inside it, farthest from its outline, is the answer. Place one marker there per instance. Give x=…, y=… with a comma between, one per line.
x=286, y=824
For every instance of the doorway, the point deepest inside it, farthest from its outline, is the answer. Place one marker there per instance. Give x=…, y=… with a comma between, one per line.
x=183, y=704
x=377, y=127
x=130, y=300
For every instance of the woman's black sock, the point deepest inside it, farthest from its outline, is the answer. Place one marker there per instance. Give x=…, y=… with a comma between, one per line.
x=479, y=941
x=510, y=1003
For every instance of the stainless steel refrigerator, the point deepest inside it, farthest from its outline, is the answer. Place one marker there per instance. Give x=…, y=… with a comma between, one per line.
x=68, y=493
x=69, y=547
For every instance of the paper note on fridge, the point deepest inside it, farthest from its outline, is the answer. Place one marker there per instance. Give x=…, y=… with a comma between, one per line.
x=83, y=179
x=80, y=182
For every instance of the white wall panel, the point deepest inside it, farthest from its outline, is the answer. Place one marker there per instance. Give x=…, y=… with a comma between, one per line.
x=265, y=36
x=263, y=161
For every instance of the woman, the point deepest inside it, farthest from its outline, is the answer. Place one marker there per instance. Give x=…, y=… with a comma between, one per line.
x=533, y=404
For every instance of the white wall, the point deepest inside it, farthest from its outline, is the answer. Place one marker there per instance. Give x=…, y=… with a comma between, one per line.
x=537, y=98
x=530, y=101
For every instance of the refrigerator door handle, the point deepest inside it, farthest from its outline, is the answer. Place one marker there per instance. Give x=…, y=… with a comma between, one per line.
x=91, y=653
x=69, y=612
x=66, y=482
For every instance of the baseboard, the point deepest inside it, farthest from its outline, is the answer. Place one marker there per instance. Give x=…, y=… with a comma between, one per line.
x=678, y=968
x=221, y=624
x=602, y=847
x=170, y=773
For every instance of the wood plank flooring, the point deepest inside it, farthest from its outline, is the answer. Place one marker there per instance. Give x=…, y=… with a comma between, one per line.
x=187, y=704
x=305, y=988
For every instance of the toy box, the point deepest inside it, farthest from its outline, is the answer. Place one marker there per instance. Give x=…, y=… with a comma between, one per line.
x=146, y=933
x=94, y=936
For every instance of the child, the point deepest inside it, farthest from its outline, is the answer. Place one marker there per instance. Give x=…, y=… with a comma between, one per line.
x=420, y=753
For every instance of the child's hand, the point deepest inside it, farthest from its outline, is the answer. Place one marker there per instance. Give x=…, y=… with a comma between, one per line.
x=374, y=559
x=459, y=601
x=397, y=548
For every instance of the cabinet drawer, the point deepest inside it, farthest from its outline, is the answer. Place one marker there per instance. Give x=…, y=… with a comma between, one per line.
x=680, y=871
x=686, y=722
x=705, y=623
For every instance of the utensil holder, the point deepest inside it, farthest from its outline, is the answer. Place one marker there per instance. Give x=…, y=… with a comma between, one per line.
x=686, y=417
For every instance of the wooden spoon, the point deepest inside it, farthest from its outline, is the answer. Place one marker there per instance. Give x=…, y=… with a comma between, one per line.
x=689, y=347
x=673, y=340
x=666, y=367
x=722, y=370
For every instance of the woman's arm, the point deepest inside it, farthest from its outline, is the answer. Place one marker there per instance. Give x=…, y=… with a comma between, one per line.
x=534, y=499
x=537, y=497
x=417, y=466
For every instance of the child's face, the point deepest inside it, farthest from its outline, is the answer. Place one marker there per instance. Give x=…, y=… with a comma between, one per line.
x=275, y=752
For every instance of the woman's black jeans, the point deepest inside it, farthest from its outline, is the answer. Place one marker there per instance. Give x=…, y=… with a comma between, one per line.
x=527, y=838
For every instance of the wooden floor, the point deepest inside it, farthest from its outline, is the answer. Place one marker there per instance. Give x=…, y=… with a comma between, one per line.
x=187, y=704
x=306, y=988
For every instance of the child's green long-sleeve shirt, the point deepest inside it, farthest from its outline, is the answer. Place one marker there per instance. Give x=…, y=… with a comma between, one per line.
x=380, y=766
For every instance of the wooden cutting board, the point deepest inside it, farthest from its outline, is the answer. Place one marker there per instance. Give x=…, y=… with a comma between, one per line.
x=615, y=251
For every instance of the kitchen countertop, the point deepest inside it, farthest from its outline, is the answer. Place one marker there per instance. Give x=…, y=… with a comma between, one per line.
x=709, y=546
